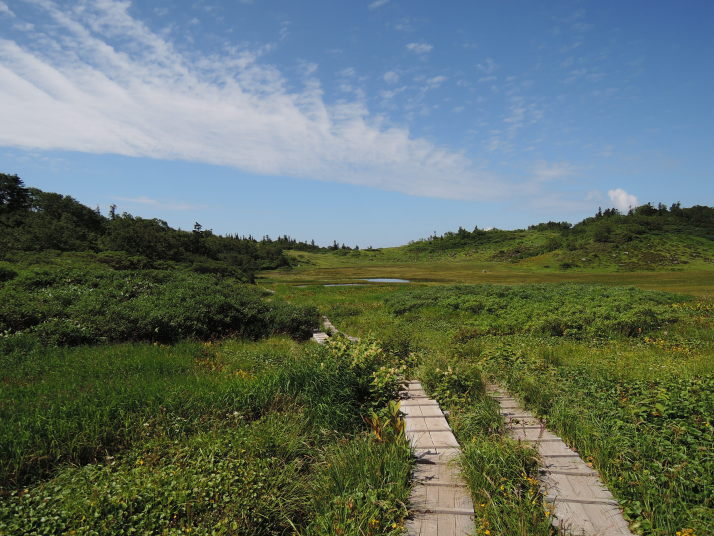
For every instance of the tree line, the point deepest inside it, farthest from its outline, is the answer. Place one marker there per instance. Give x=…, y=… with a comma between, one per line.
x=34, y=220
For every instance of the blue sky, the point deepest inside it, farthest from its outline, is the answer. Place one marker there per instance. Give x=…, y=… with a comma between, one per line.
x=372, y=123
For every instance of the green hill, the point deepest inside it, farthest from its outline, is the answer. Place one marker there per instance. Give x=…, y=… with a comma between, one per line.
x=38, y=227
x=647, y=238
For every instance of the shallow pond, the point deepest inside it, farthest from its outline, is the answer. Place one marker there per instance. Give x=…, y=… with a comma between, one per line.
x=387, y=280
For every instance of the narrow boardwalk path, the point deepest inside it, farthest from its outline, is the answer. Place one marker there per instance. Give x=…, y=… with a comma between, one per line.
x=440, y=502
x=331, y=327
x=582, y=505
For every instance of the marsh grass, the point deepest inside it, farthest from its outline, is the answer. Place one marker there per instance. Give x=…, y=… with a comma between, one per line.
x=361, y=487
x=77, y=405
x=317, y=269
x=640, y=414
x=635, y=402
x=204, y=438
x=501, y=473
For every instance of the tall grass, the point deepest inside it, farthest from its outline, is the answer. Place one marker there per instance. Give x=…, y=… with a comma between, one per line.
x=501, y=473
x=79, y=404
x=230, y=438
x=642, y=416
x=361, y=487
x=631, y=390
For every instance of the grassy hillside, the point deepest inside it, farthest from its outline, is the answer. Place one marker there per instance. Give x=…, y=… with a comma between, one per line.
x=663, y=249
x=148, y=388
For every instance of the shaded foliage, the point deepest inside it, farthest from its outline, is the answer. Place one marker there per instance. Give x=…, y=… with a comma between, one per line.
x=80, y=306
x=34, y=220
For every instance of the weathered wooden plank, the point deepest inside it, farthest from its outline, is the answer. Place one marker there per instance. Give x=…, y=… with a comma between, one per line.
x=581, y=504
x=440, y=502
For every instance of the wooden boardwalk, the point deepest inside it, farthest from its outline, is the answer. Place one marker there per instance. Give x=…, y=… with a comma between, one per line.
x=581, y=504
x=440, y=503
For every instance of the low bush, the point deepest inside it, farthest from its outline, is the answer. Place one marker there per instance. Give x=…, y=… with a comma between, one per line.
x=6, y=274
x=570, y=310
x=69, y=307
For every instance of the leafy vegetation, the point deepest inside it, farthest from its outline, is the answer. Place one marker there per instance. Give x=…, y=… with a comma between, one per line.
x=650, y=433
x=558, y=310
x=626, y=379
x=33, y=220
x=80, y=306
x=646, y=238
x=229, y=438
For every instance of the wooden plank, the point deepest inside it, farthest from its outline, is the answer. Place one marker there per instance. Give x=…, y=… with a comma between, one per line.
x=581, y=504
x=440, y=502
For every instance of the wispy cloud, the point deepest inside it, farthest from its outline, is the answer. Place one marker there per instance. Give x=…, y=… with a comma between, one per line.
x=420, y=48
x=165, y=205
x=435, y=81
x=377, y=4
x=390, y=77
x=544, y=171
x=487, y=66
x=4, y=9
x=621, y=200
x=108, y=84
x=389, y=94
x=405, y=24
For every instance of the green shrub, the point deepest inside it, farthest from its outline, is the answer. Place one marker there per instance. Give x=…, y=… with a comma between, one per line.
x=569, y=310
x=65, y=306
x=120, y=260
x=6, y=274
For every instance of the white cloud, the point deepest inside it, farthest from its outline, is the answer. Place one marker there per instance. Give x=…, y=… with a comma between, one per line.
x=622, y=200
x=435, y=82
x=5, y=9
x=170, y=205
x=390, y=77
x=377, y=4
x=420, y=48
x=405, y=24
x=108, y=84
x=544, y=171
x=389, y=94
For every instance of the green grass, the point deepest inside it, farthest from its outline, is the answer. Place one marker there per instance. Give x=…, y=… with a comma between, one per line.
x=640, y=413
x=501, y=473
x=216, y=438
x=328, y=268
x=78, y=405
x=626, y=378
